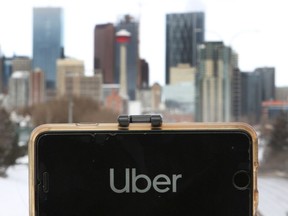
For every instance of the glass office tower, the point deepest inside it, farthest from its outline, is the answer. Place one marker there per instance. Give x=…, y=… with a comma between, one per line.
x=184, y=31
x=47, y=41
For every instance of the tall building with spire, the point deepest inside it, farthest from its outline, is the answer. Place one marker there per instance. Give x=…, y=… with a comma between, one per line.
x=47, y=41
x=184, y=32
x=129, y=24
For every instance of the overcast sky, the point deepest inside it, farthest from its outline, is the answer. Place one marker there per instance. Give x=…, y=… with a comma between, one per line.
x=256, y=29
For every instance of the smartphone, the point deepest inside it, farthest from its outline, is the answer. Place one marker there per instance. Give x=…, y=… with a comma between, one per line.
x=179, y=169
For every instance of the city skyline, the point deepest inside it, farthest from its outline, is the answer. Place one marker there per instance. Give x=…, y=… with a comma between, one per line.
x=253, y=33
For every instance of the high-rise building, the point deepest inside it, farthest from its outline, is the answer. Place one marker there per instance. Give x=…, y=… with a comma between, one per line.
x=214, y=83
x=19, y=89
x=256, y=87
x=267, y=77
x=236, y=94
x=47, y=41
x=132, y=26
x=143, y=78
x=184, y=32
x=36, y=87
x=65, y=68
x=104, y=51
x=251, y=97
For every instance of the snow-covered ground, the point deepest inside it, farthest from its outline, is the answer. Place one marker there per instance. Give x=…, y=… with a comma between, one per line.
x=14, y=194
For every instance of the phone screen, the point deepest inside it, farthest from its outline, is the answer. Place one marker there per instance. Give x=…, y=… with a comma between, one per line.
x=163, y=173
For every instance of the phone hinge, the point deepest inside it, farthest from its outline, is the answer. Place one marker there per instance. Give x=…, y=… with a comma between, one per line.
x=125, y=120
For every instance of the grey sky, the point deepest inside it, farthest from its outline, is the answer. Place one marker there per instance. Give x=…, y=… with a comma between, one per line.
x=256, y=29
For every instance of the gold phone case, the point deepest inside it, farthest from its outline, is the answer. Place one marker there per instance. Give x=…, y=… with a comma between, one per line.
x=137, y=127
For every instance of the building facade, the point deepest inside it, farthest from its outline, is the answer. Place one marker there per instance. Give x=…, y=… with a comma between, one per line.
x=214, y=83
x=114, y=102
x=179, y=98
x=89, y=86
x=36, y=87
x=83, y=86
x=271, y=110
x=19, y=90
x=267, y=77
x=6, y=73
x=282, y=93
x=132, y=26
x=21, y=63
x=47, y=41
x=72, y=82
x=109, y=89
x=251, y=97
x=236, y=93
x=256, y=87
x=184, y=32
x=104, y=51
x=67, y=68
x=182, y=73
x=143, y=78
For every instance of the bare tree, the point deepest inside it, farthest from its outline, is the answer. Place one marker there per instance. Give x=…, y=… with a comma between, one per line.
x=279, y=135
x=84, y=110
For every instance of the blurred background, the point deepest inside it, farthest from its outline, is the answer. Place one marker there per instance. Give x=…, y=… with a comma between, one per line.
x=190, y=60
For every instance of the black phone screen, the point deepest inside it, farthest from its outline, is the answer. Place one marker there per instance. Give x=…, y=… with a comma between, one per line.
x=163, y=173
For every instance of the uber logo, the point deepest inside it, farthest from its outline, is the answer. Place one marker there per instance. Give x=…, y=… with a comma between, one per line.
x=159, y=180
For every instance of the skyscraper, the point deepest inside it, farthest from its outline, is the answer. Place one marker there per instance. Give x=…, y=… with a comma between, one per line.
x=143, y=77
x=104, y=51
x=256, y=87
x=267, y=77
x=132, y=26
x=214, y=89
x=19, y=89
x=36, y=87
x=47, y=41
x=184, y=32
x=251, y=97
